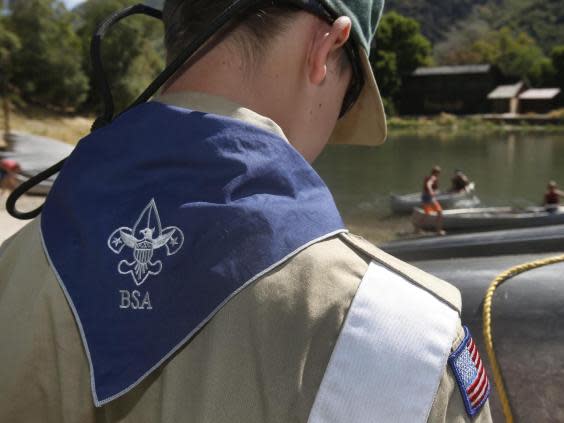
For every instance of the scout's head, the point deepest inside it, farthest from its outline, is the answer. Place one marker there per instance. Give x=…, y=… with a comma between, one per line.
x=302, y=63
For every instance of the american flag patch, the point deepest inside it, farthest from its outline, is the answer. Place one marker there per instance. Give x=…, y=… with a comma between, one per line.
x=470, y=374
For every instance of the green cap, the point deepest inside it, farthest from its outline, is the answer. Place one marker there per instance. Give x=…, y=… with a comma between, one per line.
x=364, y=14
x=365, y=123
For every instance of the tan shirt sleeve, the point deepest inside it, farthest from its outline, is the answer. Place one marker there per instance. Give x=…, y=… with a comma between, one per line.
x=448, y=406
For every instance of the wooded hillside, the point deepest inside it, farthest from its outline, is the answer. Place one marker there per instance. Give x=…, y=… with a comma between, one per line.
x=450, y=23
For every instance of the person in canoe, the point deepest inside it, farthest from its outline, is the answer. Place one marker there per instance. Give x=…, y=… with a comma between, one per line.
x=429, y=197
x=459, y=181
x=552, y=197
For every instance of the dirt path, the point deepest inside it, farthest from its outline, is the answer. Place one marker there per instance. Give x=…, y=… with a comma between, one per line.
x=9, y=225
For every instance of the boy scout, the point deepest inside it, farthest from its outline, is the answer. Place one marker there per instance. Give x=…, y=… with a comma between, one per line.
x=189, y=264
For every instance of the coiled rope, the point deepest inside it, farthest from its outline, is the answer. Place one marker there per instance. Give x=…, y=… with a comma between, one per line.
x=487, y=320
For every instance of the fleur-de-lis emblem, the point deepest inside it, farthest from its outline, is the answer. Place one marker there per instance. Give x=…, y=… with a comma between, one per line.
x=146, y=236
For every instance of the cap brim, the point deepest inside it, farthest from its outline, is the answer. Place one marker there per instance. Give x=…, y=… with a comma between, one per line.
x=365, y=122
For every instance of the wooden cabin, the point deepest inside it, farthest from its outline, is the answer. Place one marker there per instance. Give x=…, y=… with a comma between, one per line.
x=451, y=89
x=540, y=100
x=505, y=98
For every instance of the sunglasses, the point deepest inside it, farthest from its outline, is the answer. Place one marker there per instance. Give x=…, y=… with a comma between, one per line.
x=357, y=80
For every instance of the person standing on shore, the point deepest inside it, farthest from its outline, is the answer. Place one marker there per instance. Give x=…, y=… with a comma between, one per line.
x=429, y=197
x=552, y=197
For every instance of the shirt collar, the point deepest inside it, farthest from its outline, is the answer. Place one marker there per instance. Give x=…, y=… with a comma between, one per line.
x=217, y=105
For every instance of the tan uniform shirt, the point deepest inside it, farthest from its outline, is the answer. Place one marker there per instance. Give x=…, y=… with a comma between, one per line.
x=260, y=359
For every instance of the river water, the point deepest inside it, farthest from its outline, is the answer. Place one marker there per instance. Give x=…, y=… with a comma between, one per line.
x=508, y=169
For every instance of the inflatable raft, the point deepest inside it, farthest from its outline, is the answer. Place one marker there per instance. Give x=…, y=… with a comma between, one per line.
x=404, y=204
x=480, y=244
x=527, y=311
x=34, y=154
x=489, y=218
x=527, y=329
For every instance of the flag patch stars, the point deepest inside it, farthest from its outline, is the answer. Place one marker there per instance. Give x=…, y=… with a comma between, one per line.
x=470, y=374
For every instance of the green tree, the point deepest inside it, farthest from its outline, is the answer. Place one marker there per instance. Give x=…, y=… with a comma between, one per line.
x=9, y=45
x=557, y=59
x=48, y=69
x=131, y=51
x=399, y=48
x=516, y=55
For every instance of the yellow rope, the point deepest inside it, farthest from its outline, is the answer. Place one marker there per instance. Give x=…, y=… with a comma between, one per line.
x=487, y=320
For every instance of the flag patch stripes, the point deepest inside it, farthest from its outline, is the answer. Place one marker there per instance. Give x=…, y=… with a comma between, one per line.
x=470, y=374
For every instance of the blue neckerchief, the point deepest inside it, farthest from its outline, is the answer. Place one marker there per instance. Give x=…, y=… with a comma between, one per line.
x=157, y=220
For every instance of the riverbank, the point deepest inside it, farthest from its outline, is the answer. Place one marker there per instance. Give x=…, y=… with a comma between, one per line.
x=67, y=128
x=71, y=128
x=447, y=124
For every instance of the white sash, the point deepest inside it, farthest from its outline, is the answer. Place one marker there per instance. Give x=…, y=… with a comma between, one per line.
x=390, y=355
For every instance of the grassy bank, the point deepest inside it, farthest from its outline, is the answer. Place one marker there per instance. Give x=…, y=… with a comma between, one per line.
x=451, y=124
x=70, y=129
x=67, y=128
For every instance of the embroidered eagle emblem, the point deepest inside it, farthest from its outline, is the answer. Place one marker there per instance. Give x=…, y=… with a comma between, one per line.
x=145, y=238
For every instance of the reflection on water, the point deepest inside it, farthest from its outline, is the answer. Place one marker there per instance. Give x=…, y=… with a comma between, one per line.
x=510, y=169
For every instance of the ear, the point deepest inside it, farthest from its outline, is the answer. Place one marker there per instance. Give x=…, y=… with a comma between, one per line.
x=325, y=43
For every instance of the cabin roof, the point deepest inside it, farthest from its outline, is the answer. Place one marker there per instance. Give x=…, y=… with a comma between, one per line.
x=540, y=94
x=506, y=91
x=453, y=70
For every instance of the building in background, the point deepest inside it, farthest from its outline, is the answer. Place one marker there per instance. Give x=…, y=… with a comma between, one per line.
x=451, y=89
x=540, y=100
x=505, y=98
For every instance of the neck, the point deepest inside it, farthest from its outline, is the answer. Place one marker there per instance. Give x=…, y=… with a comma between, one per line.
x=268, y=89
